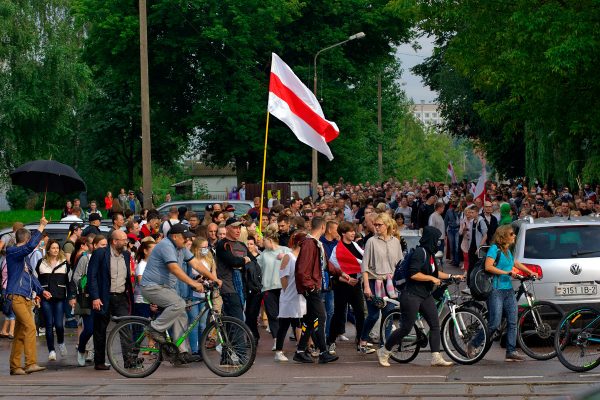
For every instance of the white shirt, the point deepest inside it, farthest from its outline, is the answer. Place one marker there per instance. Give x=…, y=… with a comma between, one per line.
x=291, y=304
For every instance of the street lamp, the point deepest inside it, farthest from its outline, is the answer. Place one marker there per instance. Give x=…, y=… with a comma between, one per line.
x=315, y=165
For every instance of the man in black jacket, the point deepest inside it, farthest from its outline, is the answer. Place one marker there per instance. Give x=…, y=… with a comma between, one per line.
x=109, y=283
x=231, y=255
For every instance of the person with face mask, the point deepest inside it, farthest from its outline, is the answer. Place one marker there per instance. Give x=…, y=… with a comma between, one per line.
x=424, y=276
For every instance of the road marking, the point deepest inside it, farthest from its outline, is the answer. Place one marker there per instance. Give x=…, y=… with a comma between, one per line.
x=418, y=376
x=514, y=377
x=323, y=377
x=588, y=375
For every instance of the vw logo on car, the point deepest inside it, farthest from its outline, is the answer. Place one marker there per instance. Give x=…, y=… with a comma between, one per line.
x=575, y=269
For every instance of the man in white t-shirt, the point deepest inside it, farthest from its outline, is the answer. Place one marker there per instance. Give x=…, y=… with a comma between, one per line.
x=173, y=219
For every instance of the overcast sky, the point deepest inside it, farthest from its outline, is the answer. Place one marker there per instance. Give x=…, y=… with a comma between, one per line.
x=414, y=87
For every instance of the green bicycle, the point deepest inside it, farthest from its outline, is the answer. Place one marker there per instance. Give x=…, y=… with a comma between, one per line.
x=227, y=345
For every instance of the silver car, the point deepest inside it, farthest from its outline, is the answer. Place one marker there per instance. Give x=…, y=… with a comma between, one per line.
x=199, y=206
x=567, y=253
x=56, y=230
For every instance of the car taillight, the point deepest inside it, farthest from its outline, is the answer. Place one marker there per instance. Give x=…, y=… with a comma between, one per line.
x=535, y=268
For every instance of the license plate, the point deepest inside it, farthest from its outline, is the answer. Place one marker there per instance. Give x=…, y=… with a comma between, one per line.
x=576, y=290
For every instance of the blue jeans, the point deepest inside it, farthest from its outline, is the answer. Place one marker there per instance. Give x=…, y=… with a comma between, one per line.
x=327, y=298
x=503, y=302
x=192, y=313
x=86, y=333
x=453, y=244
x=54, y=314
x=373, y=314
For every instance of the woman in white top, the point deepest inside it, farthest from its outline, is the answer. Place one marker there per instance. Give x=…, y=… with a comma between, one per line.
x=140, y=306
x=270, y=261
x=292, y=306
x=382, y=253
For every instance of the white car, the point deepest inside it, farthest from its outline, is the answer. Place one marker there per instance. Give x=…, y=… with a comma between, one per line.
x=567, y=253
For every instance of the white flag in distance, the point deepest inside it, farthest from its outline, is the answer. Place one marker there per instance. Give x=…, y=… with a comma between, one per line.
x=296, y=106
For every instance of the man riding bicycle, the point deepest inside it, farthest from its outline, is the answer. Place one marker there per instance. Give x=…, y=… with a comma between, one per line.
x=159, y=285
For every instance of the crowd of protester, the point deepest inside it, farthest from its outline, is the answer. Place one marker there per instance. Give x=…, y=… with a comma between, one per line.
x=314, y=265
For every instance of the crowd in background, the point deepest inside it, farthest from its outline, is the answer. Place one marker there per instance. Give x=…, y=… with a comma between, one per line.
x=343, y=217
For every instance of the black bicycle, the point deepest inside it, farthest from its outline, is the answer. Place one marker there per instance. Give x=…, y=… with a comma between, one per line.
x=227, y=345
x=577, y=341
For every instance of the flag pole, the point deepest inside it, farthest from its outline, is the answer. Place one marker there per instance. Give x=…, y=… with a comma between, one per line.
x=262, y=189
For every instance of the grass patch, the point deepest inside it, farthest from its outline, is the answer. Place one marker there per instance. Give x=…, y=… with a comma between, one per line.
x=7, y=218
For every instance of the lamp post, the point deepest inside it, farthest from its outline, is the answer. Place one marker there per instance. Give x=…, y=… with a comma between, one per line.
x=315, y=165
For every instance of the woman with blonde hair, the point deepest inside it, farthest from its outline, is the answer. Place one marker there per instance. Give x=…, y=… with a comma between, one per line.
x=201, y=250
x=52, y=272
x=500, y=262
x=382, y=253
x=270, y=262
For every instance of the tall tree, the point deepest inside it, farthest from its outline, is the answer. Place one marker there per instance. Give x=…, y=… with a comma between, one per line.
x=43, y=82
x=529, y=71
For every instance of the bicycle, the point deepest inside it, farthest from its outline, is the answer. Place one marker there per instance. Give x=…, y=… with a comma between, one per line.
x=227, y=345
x=577, y=342
x=458, y=329
x=535, y=321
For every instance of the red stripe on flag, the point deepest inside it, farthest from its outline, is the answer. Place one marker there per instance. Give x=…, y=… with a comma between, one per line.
x=302, y=110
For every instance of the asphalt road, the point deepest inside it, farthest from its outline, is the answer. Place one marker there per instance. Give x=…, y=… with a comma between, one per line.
x=352, y=376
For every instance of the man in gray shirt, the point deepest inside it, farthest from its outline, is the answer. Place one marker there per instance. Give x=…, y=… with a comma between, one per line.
x=159, y=285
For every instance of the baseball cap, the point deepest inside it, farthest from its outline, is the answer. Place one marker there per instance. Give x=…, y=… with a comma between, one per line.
x=232, y=222
x=74, y=226
x=131, y=192
x=95, y=217
x=182, y=229
x=230, y=208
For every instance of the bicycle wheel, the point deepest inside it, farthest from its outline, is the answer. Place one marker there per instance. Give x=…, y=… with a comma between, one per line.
x=227, y=346
x=577, y=340
x=536, y=329
x=129, y=350
x=465, y=336
x=408, y=349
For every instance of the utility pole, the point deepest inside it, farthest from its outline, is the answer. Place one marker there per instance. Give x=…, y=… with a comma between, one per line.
x=145, y=99
x=379, y=129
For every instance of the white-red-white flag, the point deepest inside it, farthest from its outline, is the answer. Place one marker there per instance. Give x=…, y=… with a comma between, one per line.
x=294, y=104
x=451, y=173
x=479, y=190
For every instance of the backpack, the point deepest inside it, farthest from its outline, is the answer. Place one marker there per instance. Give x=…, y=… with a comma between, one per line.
x=401, y=270
x=480, y=281
x=253, y=277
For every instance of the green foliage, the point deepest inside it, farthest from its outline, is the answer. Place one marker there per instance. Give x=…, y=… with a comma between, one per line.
x=17, y=197
x=424, y=153
x=7, y=218
x=42, y=82
x=520, y=77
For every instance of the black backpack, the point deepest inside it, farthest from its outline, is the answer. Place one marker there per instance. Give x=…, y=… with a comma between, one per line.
x=401, y=270
x=253, y=278
x=480, y=281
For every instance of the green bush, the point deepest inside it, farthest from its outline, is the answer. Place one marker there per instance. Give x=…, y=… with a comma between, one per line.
x=17, y=197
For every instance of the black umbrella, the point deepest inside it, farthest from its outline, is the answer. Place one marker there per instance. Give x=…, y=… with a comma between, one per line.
x=47, y=175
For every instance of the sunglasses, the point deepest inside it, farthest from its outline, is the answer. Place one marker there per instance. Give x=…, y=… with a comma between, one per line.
x=512, y=234
x=378, y=225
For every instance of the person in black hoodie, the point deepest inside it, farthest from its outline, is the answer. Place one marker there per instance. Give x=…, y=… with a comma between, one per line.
x=424, y=276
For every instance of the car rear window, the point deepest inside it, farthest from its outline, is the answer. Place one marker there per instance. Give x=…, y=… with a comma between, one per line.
x=562, y=242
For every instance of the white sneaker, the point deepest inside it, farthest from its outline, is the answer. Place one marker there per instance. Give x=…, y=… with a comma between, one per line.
x=274, y=345
x=62, y=349
x=438, y=361
x=90, y=356
x=81, y=359
x=343, y=338
x=52, y=356
x=383, y=356
x=279, y=357
x=332, y=349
